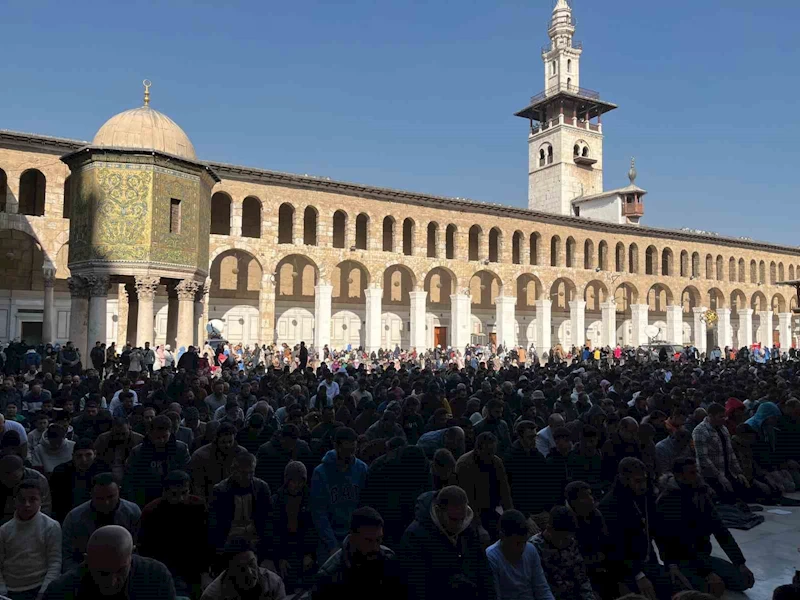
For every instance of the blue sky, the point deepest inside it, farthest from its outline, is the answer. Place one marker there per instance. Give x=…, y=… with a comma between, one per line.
x=421, y=95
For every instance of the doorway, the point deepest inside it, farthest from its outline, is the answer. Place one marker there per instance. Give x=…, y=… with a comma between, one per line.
x=440, y=337
x=31, y=332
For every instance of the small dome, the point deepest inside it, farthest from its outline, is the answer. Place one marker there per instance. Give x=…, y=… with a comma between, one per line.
x=146, y=129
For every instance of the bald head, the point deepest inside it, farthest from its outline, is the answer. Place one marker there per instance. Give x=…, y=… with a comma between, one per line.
x=108, y=558
x=111, y=538
x=555, y=421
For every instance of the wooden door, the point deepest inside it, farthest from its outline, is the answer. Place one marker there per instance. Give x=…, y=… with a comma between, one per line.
x=440, y=337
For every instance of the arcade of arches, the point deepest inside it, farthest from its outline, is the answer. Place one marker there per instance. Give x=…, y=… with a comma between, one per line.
x=317, y=261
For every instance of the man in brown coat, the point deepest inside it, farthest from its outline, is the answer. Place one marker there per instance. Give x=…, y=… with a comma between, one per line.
x=212, y=463
x=482, y=476
x=114, y=447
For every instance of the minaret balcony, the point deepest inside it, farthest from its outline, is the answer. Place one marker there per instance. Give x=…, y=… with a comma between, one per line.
x=585, y=161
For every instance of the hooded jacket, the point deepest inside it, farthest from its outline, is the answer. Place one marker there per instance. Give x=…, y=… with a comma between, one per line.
x=334, y=496
x=438, y=565
x=765, y=449
x=685, y=521
x=146, y=468
x=47, y=458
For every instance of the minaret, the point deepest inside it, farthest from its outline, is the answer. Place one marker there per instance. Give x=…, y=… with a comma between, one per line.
x=565, y=143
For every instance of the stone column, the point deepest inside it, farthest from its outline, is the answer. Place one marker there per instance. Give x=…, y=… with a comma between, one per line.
x=123, y=308
x=724, y=330
x=543, y=326
x=785, y=330
x=417, y=312
x=745, y=327
x=79, y=314
x=146, y=287
x=172, y=318
x=699, y=329
x=187, y=291
x=577, y=317
x=674, y=333
x=460, y=321
x=201, y=308
x=372, y=336
x=266, y=310
x=322, y=317
x=98, y=302
x=236, y=218
x=609, y=323
x=639, y=322
x=49, y=309
x=506, y=334
x=133, y=316
x=766, y=328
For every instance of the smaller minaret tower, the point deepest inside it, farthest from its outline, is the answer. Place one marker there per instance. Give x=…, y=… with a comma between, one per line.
x=565, y=143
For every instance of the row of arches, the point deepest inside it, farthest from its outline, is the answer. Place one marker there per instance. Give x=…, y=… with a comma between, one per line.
x=32, y=193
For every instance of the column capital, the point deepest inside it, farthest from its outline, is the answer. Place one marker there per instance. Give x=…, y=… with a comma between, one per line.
x=577, y=304
x=373, y=293
x=506, y=300
x=610, y=305
x=417, y=294
x=78, y=287
x=146, y=287
x=187, y=289
x=723, y=311
x=745, y=312
x=324, y=288
x=699, y=310
x=49, y=274
x=544, y=302
x=98, y=285
x=785, y=316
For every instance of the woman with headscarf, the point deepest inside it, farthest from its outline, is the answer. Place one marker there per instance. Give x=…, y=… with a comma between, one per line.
x=764, y=449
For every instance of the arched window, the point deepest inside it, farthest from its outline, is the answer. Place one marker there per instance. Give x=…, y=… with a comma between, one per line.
x=495, y=240
x=619, y=262
x=388, y=234
x=553, y=68
x=32, y=186
x=780, y=272
x=310, y=226
x=555, y=251
x=588, y=254
x=709, y=267
x=762, y=272
x=549, y=155
x=633, y=259
x=576, y=150
x=67, y=196
x=720, y=268
x=585, y=152
x=516, y=248
x=221, y=214
x=732, y=269
x=408, y=237
x=695, y=265
x=362, y=231
x=542, y=158
x=753, y=272
x=602, y=255
x=433, y=239
x=474, y=243
x=570, y=252
x=791, y=272
x=251, y=217
x=742, y=271
x=450, y=242
x=569, y=65
x=650, y=260
x=772, y=273
x=286, y=224
x=3, y=188
x=666, y=262
x=684, y=263
x=569, y=82
x=339, y=228
x=533, y=257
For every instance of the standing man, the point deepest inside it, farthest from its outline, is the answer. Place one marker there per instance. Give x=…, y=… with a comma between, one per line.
x=148, y=357
x=303, y=357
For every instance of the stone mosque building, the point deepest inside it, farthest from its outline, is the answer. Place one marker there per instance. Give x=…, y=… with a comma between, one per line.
x=132, y=237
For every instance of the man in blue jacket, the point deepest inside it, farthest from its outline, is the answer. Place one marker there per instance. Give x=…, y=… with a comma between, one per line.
x=335, y=489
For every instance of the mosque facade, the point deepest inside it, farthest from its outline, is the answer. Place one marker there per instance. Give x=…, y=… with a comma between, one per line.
x=132, y=238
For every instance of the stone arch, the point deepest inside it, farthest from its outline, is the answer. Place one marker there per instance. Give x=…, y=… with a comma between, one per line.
x=762, y=272
x=450, y=241
x=778, y=304
x=619, y=257
x=625, y=295
x=475, y=239
x=440, y=283
x=362, y=231
x=695, y=265
x=633, y=259
x=732, y=269
x=570, y=252
x=516, y=247
x=409, y=232
x=339, y=238
x=221, y=213
x=529, y=290
x=588, y=254
x=495, y=244
x=21, y=260
x=310, y=224
x=433, y=240
x=758, y=302
x=651, y=261
x=720, y=268
x=684, y=263
x=562, y=292
x=709, y=266
x=285, y=223
x=690, y=298
x=667, y=262
x=595, y=293
x=296, y=275
x=773, y=273
x=388, y=233
x=555, y=251
x=742, y=278
x=398, y=282
x=485, y=286
x=716, y=299
x=32, y=193
x=251, y=217
x=349, y=279
x=602, y=255
x=235, y=273
x=753, y=271
x=659, y=297
x=535, y=249
x=781, y=272
x=738, y=300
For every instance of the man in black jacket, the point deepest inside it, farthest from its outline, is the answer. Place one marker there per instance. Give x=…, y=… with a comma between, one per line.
x=629, y=512
x=283, y=448
x=111, y=569
x=441, y=554
x=363, y=567
x=241, y=506
x=71, y=482
x=685, y=521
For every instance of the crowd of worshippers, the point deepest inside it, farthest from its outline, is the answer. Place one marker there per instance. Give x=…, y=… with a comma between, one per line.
x=569, y=481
